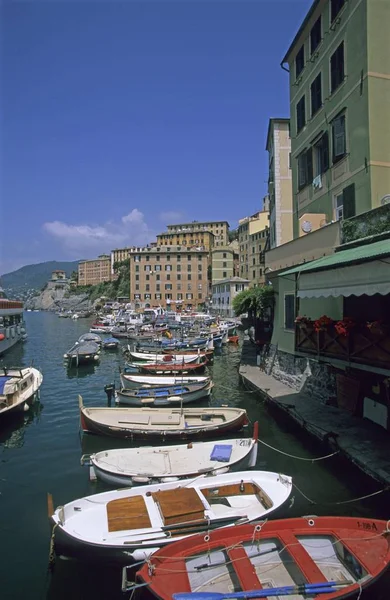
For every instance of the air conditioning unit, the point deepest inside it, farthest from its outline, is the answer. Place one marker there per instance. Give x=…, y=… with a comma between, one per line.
x=310, y=222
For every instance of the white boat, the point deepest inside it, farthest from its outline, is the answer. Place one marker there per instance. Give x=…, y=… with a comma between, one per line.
x=171, y=358
x=12, y=326
x=18, y=388
x=130, y=524
x=134, y=466
x=136, y=381
x=82, y=353
x=164, y=396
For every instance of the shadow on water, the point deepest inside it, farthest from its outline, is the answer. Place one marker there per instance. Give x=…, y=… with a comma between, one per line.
x=81, y=371
x=13, y=427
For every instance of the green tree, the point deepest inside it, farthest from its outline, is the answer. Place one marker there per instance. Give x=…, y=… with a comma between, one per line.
x=254, y=301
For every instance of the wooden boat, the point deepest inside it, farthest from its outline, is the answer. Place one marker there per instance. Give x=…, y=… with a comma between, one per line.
x=82, y=353
x=177, y=352
x=164, y=396
x=169, y=368
x=162, y=423
x=338, y=556
x=129, y=524
x=136, y=380
x=176, y=359
x=134, y=466
x=18, y=388
x=90, y=337
x=110, y=343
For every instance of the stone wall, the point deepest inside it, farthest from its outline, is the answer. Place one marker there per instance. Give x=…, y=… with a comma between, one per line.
x=302, y=374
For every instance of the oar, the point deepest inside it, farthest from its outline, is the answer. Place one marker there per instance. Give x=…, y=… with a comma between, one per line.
x=326, y=587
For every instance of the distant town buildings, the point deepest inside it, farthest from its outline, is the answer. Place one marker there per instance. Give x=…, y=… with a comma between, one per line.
x=224, y=292
x=220, y=229
x=95, y=271
x=253, y=234
x=198, y=237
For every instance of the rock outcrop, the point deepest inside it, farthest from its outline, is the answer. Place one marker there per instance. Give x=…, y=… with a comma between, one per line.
x=56, y=296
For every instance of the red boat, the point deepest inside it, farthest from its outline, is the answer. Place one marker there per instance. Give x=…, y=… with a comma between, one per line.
x=334, y=557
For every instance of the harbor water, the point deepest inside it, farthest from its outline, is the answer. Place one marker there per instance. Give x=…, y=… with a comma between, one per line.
x=40, y=452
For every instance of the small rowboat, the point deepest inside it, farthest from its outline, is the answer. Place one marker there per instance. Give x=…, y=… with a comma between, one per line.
x=136, y=380
x=129, y=524
x=168, y=368
x=164, y=396
x=159, y=464
x=167, y=358
x=334, y=557
x=82, y=353
x=110, y=343
x=163, y=423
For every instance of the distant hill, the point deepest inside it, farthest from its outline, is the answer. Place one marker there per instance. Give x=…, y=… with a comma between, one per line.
x=35, y=276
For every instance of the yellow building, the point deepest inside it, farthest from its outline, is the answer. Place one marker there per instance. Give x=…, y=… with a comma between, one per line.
x=196, y=237
x=95, y=271
x=223, y=260
x=253, y=234
x=220, y=229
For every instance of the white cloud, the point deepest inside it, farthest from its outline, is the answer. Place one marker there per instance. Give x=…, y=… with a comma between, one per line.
x=171, y=216
x=94, y=239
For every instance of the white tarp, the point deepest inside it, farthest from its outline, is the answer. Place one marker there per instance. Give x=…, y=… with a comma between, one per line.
x=369, y=278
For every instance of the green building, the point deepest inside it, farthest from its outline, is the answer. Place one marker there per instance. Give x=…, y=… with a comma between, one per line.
x=339, y=66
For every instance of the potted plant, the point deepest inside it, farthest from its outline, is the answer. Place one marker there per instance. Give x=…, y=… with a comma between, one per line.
x=323, y=323
x=304, y=322
x=377, y=328
x=345, y=326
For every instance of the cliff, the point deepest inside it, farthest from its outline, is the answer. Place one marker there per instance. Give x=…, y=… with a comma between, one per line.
x=56, y=296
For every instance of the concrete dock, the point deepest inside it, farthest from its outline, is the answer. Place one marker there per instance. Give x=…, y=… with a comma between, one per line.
x=364, y=443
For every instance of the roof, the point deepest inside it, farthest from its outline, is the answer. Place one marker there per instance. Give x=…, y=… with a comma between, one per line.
x=302, y=27
x=231, y=280
x=270, y=123
x=358, y=254
x=185, y=232
x=197, y=223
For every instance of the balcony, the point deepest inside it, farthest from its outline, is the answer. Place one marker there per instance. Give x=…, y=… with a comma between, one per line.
x=363, y=346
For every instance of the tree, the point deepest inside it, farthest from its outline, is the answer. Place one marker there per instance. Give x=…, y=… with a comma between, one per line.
x=233, y=235
x=254, y=301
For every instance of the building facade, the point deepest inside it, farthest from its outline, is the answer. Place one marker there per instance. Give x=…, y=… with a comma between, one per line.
x=169, y=276
x=253, y=234
x=119, y=255
x=223, y=261
x=279, y=182
x=220, y=229
x=95, y=271
x=58, y=275
x=339, y=67
x=223, y=294
x=197, y=237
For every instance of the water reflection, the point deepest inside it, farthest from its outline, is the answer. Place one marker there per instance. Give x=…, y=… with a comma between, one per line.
x=14, y=426
x=82, y=371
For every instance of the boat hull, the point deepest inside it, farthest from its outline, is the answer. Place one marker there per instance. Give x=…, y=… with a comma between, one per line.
x=136, y=382
x=172, y=399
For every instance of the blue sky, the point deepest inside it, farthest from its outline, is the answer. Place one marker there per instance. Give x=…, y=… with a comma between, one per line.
x=119, y=118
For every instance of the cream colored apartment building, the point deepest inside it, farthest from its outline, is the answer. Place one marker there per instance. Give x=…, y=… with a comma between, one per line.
x=279, y=182
x=169, y=276
x=253, y=233
x=220, y=229
x=92, y=272
x=223, y=261
x=197, y=237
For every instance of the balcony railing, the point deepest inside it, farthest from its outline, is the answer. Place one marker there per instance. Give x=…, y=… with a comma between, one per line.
x=361, y=346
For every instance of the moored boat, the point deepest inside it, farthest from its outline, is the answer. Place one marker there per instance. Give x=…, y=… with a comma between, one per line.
x=135, y=466
x=164, y=396
x=82, y=353
x=12, y=326
x=110, y=343
x=162, y=423
x=18, y=388
x=167, y=358
x=168, y=368
x=335, y=557
x=137, y=380
x=90, y=337
x=125, y=525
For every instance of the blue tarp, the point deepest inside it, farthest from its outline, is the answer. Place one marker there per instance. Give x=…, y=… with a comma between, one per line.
x=222, y=452
x=3, y=381
x=161, y=391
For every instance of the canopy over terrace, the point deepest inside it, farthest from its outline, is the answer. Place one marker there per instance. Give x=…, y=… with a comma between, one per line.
x=360, y=270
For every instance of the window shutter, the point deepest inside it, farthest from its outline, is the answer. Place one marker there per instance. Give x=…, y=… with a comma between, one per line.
x=349, y=202
x=325, y=152
x=309, y=165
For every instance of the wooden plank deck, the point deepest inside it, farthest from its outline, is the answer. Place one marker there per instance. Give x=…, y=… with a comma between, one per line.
x=179, y=505
x=127, y=513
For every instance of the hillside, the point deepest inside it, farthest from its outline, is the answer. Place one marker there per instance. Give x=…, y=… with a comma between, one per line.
x=34, y=276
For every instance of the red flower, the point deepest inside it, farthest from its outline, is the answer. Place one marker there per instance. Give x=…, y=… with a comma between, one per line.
x=322, y=323
x=345, y=326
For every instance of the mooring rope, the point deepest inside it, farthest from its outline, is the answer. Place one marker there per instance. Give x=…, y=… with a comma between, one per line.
x=385, y=489
x=298, y=457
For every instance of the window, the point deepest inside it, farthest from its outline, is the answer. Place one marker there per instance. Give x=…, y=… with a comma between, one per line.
x=178, y=268
x=189, y=296
x=147, y=268
x=137, y=286
x=147, y=287
x=224, y=274
x=137, y=277
x=345, y=203
x=199, y=296
x=147, y=277
x=168, y=286
x=178, y=257
x=253, y=274
x=338, y=138
x=189, y=286
x=199, y=286
x=301, y=114
x=338, y=201
x=199, y=268
x=180, y=296
x=305, y=168
x=168, y=277
x=168, y=267
x=335, y=7
x=299, y=62
x=337, y=68
x=315, y=35
x=224, y=264
x=168, y=296
x=157, y=268
x=157, y=296
x=157, y=287
x=137, y=268
x=321, y=155
x=316, y=95
x=224, y=255
x=168, y=257
x=178, y=286
x=199, y=257
x=188, y=256
x=147, y=258
x=289, y=311
x=157, y=257
x=189, y=276
x=178, y=277
x=157, y=277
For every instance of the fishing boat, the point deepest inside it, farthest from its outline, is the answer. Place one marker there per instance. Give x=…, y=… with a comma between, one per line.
x=161, y=423
x=128, y=524
x=166, y=358
x=136, y=380
x=82, y=353
x=90, y=337
x=334, y=557
x=18, y=388
x=135, y=466
x=110, y=343
x=164, y=396
x=168, y=368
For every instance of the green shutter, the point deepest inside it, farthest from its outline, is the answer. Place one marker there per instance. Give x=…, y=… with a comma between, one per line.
x=349, y=202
